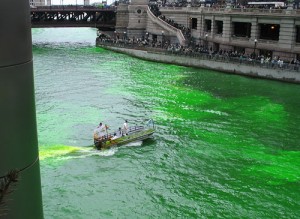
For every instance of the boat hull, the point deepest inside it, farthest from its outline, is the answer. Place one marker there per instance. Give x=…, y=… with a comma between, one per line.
x=131, y=137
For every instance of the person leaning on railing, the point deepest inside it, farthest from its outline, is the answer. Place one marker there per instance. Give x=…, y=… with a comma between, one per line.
x=201, y=51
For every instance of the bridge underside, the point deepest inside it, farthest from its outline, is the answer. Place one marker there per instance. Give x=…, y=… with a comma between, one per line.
x=103, y=20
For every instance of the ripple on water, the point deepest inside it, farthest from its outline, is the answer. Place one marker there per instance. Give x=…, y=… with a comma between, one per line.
x=225, y=147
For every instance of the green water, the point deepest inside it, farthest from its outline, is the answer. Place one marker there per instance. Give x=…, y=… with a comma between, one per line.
x=226, y=146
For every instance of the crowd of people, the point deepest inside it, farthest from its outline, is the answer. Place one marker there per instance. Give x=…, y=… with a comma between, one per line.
x=216, y=4
x=197, y=50
x=185, y=30
x=203, y=51
x=241, y=57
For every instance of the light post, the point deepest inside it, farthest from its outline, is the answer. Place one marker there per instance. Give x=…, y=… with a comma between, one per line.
x=147, y=35
x=206, y=42
x=124, y=35
x=162, y=38
x=255, y=43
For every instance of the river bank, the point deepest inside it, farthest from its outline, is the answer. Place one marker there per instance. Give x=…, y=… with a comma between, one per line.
x=286, y=73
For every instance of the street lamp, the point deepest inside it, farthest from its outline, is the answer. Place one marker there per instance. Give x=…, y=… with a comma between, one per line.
x=255, y=42
x=147, y=35
x=162, y=38
x=206, y=42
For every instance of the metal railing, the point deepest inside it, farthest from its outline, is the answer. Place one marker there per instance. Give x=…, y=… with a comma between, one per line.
x=242, y=60
x=221, y=9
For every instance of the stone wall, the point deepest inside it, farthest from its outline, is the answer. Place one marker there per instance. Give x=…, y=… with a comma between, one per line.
x=227, y=67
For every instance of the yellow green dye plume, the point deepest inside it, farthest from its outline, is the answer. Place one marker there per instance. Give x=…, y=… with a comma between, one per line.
x=56, y=151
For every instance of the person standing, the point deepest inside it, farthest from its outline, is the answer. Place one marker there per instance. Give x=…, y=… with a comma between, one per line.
x=102, y=129
x=97, y=137
x=99, y=132
x=125, y=128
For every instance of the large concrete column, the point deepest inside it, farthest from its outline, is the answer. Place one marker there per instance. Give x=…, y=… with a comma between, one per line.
x=255, y=32
x=287, y=33
x=213, y=26
x=18, y=132
x=227, y=29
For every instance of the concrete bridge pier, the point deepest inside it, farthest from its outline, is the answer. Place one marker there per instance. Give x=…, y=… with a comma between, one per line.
x=21, y=193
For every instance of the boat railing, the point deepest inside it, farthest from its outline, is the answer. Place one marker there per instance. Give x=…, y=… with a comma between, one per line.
x=136, y=128
x=131, y=130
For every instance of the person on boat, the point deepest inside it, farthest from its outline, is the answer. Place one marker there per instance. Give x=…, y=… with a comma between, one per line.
x=96, y=133
x=97, y=137
x=99, y=132
x=125, y=128
x=114, y=137
x=105, y=130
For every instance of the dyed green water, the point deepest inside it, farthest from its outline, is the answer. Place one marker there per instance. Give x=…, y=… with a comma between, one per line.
x=226, y=146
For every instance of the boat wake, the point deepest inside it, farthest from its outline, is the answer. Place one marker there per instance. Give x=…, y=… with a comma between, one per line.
x=64, y=152
x=94, y=152
x=133, y=144
x=89, y=152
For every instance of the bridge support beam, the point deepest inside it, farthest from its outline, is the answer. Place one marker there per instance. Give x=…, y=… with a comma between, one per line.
x=18, y=132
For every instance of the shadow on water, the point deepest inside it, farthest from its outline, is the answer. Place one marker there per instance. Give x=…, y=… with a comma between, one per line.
x=229, y=85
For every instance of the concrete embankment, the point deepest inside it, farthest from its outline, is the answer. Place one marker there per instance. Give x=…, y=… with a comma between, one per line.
x=282, y=74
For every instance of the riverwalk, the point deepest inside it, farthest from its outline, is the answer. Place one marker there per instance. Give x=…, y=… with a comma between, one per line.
x=286, y=72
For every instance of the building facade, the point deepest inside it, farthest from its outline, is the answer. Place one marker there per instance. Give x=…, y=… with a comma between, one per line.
x=268, y=32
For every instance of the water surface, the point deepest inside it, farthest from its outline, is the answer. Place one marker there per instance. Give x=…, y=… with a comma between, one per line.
x=226, y=146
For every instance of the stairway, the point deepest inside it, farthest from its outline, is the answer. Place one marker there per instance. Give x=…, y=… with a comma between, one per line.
x=164, y=25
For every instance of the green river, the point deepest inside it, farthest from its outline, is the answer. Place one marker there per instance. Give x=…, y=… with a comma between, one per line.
x=225, y=146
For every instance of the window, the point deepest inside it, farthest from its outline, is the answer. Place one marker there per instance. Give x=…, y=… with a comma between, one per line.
x=297, y=34
x=269, y=31
x=242, y=29
x=194, y=23
x=207, y=25
x=219, y=27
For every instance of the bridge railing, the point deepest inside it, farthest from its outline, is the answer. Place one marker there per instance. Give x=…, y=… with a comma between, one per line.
x=72, y=8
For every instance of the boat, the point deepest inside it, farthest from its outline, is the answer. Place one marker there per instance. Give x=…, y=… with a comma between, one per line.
x=134, y=133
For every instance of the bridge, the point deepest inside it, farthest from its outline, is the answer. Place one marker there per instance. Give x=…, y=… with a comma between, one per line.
x=74, y=16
